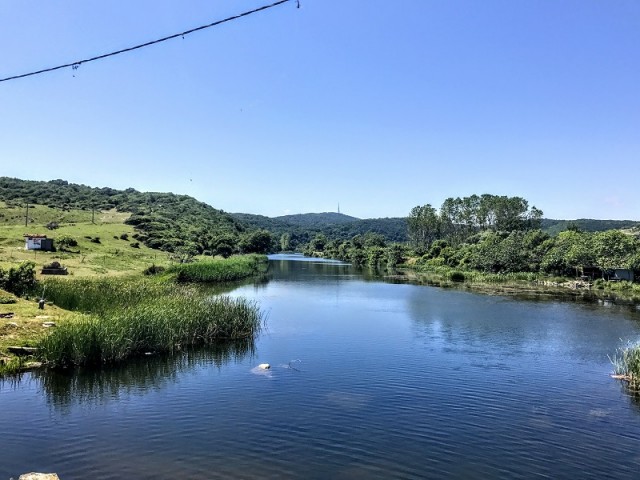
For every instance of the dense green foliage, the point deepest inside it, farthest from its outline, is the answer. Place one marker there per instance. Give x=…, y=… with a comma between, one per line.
x=369, y=250
x=133, y=317
x=460, y=218
x=18, y=280
x=568, y=254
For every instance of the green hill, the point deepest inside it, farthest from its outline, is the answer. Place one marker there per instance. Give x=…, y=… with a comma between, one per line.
x=164, y=221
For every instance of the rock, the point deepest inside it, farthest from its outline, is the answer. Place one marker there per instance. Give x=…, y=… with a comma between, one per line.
x=12, y=324
x=22, y=350
x=264, y=366
x=39, y=476
x=49, y=324
x=32, y=365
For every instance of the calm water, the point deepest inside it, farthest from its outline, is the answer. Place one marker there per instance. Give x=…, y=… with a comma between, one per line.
x=368, y=380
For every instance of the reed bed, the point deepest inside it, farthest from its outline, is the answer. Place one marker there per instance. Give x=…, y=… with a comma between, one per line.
x=445, y=273
x=167, y=325
x=127, y=318
x=220, y=270
x=91, y=295
x=626, y=364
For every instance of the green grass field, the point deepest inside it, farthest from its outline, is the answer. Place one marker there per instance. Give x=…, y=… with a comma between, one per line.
x=112, y=256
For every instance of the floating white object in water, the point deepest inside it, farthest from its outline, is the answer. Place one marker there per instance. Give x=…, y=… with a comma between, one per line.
x=264, y=366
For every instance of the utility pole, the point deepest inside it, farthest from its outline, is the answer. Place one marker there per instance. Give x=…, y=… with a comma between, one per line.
x=26, y=216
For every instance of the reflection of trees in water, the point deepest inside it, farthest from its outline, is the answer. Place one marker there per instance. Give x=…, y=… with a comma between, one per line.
x=62, y=389
x=510, y=325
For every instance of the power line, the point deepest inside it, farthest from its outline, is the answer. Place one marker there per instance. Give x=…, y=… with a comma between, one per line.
x=75, y=65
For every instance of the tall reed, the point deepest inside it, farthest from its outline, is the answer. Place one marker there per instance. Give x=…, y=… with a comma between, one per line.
x=626, y=364
x=220, y=270
x=127, y=317
x=165, y=325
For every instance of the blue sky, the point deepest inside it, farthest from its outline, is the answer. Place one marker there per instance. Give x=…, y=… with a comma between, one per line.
x=377, y=105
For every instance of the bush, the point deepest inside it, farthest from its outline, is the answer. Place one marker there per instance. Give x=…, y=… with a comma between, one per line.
x=6, y=298
x=95, y=240
x=18, y=280
x=66, y=241
x=124, y=236
x=457, y=276
x=153, y=270
x=135, y=245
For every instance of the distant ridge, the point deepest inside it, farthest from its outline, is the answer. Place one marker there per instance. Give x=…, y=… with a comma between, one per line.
x=553, y=227
x=317, y=219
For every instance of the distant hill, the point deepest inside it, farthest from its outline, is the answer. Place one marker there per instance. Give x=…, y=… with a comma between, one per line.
x=317, y=220
x=335, y=226
x=553, y=227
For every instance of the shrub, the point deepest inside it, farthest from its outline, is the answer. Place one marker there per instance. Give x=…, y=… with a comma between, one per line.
x=124, y=236
x=135, y=245
x=153, y=270
x=18, y=280
x=95, y=240
x=6, y=298
x=66, y=241
x=457, y=276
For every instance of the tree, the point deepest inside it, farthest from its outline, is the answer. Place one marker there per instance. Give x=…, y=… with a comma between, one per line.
x=223, y=245
x=423, y=227
x=285, y=242
x=318, y=242
x=614, y=249
x=259, y=241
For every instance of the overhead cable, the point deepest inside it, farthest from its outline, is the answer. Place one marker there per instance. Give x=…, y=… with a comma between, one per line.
x=76, y=64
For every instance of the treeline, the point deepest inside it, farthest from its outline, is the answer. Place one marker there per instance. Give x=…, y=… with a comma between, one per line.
x=370, y=249
x=460, y=218
x=489, y=234
x=568, y=254
x=301, y=229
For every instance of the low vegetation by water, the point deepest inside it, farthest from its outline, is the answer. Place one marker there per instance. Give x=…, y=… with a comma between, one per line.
x=220, y=270
x=626, y=364
x=130, y=317
x=184, y=318
x=108, y=319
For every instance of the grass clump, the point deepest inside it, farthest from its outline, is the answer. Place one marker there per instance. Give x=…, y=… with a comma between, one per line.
x=132, y=318
x=7, y=298
x=220, y=270
x=626, y=364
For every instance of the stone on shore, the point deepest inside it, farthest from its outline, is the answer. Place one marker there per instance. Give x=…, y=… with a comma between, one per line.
x=39, y=476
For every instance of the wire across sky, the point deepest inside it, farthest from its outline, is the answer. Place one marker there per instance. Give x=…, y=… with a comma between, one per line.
x=77, y=63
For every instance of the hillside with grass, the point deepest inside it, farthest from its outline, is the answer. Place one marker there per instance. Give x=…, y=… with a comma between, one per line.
x=163, y=221
x=106, y=246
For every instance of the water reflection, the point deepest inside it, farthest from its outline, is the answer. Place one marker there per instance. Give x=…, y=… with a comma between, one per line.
x=82, y=386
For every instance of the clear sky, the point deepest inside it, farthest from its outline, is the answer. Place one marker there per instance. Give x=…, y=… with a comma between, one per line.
x=376, y=105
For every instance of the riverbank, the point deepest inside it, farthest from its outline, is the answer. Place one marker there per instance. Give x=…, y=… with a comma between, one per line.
x=106, y=319
x=524, y=283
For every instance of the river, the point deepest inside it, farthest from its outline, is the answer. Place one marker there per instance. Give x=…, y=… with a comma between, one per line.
x=368, y=379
